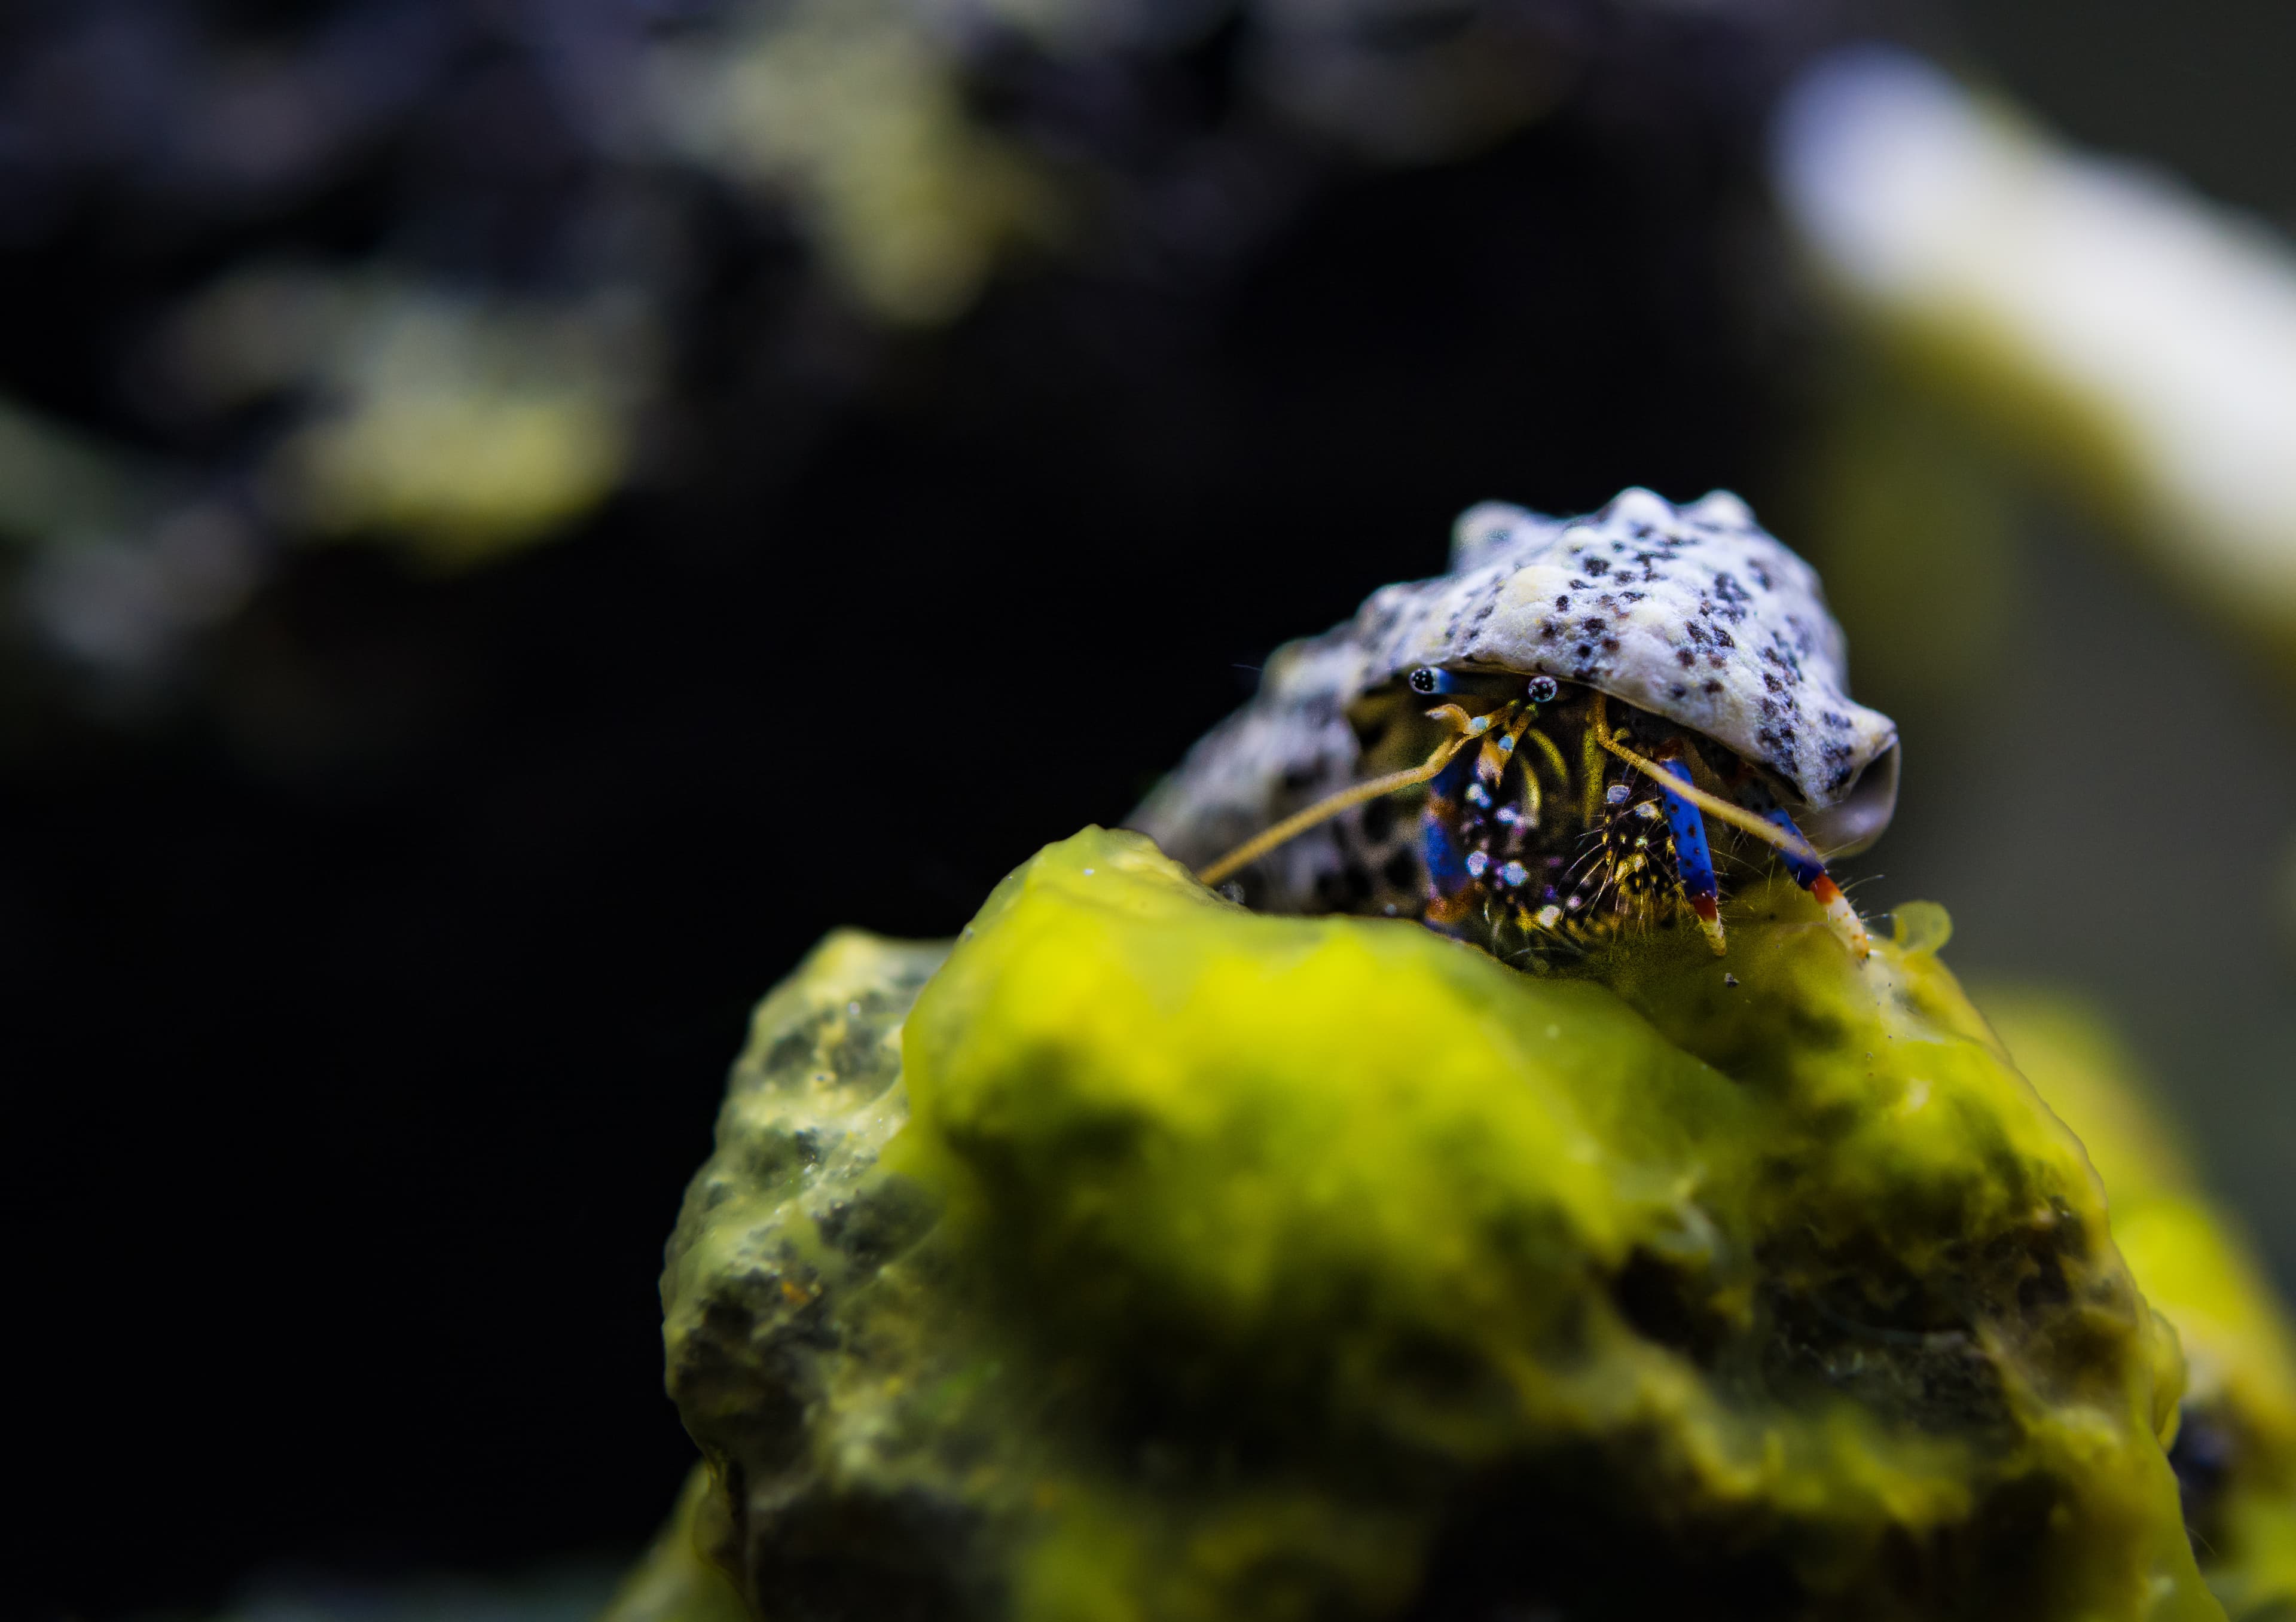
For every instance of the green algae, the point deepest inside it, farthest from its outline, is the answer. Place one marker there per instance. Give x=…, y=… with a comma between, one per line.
x=680, y=1578
x=1169, y=1261
x=2236, y=1449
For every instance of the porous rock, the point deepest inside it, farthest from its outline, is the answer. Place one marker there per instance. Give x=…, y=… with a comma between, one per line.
x=1156, y=1259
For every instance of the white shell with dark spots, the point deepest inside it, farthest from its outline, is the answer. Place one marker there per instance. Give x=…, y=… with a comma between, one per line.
x=1693, y=613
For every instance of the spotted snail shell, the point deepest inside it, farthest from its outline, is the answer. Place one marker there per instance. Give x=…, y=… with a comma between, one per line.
x=1694, y=613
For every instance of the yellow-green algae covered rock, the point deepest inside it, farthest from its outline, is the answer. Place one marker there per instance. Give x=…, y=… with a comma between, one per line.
x=2235, y=1445
x=1169, y=1261
x=681, y=1577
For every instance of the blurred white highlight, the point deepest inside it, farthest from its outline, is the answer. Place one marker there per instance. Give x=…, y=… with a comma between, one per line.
x=2166, y=322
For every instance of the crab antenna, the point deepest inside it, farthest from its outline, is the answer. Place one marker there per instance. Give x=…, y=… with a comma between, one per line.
x=1553, y=756
x=1737, y=816
x=1244, y=855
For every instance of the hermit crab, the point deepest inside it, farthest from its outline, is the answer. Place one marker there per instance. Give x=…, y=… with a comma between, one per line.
x=1587, y=729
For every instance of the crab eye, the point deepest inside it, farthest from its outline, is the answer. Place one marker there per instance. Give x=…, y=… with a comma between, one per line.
x=1542, y=689
x=1427, y=679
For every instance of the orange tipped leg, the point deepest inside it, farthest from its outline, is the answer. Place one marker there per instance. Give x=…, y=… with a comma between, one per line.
x=1710, y=921
x=1840, y=917
x=1694, y=860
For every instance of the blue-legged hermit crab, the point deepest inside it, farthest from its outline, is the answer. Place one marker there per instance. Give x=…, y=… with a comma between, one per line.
x=1602, y=720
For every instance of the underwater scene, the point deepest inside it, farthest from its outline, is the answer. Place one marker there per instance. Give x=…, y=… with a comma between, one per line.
x=1452, y=810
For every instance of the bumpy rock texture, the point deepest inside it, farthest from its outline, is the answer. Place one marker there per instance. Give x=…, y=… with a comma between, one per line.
x=2235, y=1445
x=1169, y=1261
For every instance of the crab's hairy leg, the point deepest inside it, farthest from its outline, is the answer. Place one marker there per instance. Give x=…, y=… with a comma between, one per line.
x=1787, y=839
x=1447, y=868
x=1448, y=897
x=1693, y=859
x=1531, y=800
x=1807, y=870
x=1701, y=773
x=1840, y=917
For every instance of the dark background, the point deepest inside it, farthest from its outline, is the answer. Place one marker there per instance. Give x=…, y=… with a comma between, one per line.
x=367, y=1000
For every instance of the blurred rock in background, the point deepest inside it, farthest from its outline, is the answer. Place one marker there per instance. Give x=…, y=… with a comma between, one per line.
x=451, y=274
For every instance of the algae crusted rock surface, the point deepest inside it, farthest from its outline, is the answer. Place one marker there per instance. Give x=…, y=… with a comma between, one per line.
x=1167, y=1261
x=788, y=1349
x=2235, y=1445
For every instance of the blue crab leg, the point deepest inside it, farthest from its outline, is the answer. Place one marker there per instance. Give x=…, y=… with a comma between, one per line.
x=1446, y=866
x=1694, y=857
x=1840, y=917
x=1802, y=857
